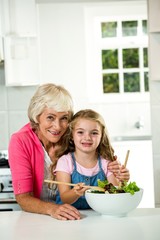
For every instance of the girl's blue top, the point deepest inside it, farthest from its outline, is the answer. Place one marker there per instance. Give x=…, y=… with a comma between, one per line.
x=77, y=177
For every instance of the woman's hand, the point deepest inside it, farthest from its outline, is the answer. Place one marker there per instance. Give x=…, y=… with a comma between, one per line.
x=64, y=212
x=120, y=172
x=29, y=203
x=123, y=174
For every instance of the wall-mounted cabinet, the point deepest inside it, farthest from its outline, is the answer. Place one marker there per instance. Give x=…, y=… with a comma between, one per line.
x=1, y=39
x=19, y=34
x=154, y=13
x=21, y=61
x=154, y=39
x=19, y=17
x=154, y=55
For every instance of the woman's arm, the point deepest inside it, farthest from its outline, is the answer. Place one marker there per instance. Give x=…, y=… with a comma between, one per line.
x=29, y=203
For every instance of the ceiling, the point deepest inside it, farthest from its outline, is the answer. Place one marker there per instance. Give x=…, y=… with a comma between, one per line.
x=77, y=1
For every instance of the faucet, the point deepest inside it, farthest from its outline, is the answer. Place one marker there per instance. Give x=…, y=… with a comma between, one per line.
x=140, y=123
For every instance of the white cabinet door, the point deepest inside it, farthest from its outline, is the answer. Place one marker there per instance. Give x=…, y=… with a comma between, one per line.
x=19, y=17
x=154, y=15
x=140, y=164
x=21, y=61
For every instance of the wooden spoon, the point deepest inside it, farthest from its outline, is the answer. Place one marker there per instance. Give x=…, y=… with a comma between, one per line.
x=125, y=164
x=73, y=184
x=126, y=159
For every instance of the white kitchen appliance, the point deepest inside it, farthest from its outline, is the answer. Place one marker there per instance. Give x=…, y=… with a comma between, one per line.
x=7, y=198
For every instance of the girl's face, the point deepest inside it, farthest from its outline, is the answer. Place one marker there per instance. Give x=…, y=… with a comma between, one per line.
x=86, y=135
x=52, y=125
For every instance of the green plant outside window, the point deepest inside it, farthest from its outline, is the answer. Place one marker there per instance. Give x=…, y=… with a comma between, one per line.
x=131, y=58
x=111, y=83
x=145, y=57
x=110, y=59
x=129, y=28
x=109, y=29
x=131, y=82
x=144, y=27
x=146, y=82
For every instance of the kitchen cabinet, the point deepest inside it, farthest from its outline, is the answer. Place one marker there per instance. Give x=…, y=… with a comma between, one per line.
x=19, y=32
x=19, y=17
x=1, y=40
x=140, y=165
x=154, y=39
x=21, y=61
x=154, y=15
x=1, y=50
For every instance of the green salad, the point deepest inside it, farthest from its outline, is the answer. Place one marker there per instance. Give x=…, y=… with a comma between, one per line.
x=125, y=187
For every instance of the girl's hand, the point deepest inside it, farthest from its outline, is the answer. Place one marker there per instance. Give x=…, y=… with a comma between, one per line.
x=80, y=189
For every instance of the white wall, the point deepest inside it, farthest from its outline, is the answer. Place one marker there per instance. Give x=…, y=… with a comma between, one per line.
x=62, y=35
x=63, y=60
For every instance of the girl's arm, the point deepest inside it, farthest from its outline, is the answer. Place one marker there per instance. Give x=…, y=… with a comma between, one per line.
x=68, y=194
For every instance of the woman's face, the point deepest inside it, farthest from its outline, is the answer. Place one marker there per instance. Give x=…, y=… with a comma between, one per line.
x=52, y=125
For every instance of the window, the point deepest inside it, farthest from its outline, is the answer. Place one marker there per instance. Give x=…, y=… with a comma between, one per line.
x=124, y=56
x=117, y=54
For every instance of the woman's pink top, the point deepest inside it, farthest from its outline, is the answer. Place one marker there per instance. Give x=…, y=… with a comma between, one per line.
x=26, y=159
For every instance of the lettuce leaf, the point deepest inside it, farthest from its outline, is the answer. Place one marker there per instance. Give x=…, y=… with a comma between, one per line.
x=125, y=187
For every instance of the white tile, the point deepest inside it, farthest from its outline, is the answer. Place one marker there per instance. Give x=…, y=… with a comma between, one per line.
x=156, y=129
x=19, y=97
x=3, y=98
x=157, y=178
x=3, y=130
x=155, y=92
x=16, y=120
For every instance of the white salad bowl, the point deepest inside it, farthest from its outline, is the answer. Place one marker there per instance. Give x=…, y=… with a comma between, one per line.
x=117, y=205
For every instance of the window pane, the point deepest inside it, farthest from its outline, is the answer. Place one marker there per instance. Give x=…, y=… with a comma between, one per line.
x=129, y=28
x=145, y=57
x=144, y=27
x=109, y=29
x=131, y=58
x=111, y=83
x=146, y=82
x=110, y=59
x=131, y=82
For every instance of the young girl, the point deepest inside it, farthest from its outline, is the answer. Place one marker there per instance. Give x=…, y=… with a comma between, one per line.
x=87, y=161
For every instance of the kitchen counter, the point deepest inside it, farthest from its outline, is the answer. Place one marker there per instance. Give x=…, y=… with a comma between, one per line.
x=140, y=224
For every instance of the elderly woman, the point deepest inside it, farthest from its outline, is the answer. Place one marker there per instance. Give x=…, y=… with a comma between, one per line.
x=35, y=148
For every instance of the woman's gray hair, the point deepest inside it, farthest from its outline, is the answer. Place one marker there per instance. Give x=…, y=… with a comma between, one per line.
x=49, y=96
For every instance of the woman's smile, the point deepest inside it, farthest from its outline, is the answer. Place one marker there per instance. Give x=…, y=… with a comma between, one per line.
x=52, y=125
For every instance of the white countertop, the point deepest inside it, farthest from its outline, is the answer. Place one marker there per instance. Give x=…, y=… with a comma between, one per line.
x=141, y=224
